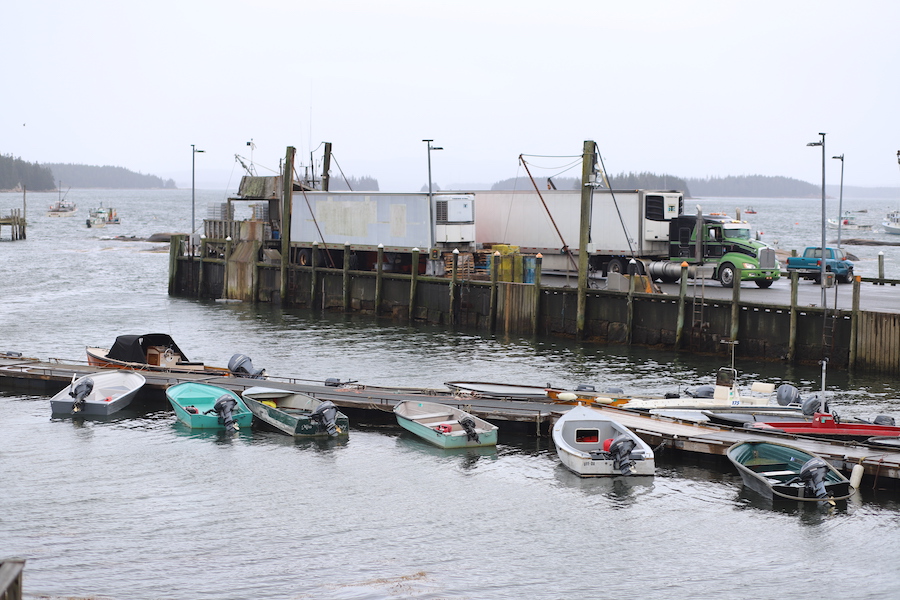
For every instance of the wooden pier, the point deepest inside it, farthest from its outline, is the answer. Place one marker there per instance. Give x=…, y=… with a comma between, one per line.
x=375, y=404
x=16, y=222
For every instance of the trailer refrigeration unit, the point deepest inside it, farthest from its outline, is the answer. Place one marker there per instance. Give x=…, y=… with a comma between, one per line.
x=647, y=226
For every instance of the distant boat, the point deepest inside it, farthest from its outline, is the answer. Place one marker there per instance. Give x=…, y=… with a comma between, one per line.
x=750, y=211
x=62, y=207
x=848, y=221
x=445, y=426
x=205, y=406
x=891, y=222
x=783, y=472
x=591, y=444
x=296, y=414
x=101, y=217
x=98, y=394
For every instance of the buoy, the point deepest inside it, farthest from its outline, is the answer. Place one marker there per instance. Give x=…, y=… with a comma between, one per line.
x=567, y=397
x=856, y=475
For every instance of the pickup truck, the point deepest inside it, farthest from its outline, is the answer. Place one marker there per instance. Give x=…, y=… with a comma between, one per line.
x=809, y=265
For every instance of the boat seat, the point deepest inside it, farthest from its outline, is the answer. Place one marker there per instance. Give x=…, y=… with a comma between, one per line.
x=451, y=423
x=762, y=387
x=441, y=416
x=721, y=392
x=776, y=473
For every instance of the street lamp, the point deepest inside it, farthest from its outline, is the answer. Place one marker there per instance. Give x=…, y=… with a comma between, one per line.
x=430, y=194
x=822, y=272
x=840, y=199
x=194, y=152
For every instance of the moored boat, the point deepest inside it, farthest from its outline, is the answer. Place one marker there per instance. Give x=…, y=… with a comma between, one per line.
x=445, y=426
x=826, y=425
x=783, y=472
x=101, y=217
x=891, y=222
x=501, y=391
x=98, y=394
x=591, y=444
x=296, y=414
x=205, y=406
x=848, y=221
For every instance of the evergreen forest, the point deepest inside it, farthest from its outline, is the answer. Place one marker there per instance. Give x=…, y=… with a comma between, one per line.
x=16, y=174
x=86, y=176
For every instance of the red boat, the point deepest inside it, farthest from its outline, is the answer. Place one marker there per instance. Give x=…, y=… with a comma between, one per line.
x=826, y=425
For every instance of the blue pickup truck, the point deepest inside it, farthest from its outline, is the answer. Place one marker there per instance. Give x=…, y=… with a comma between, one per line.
x=809, y=265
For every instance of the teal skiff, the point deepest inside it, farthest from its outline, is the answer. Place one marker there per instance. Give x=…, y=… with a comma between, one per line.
x=204, y=406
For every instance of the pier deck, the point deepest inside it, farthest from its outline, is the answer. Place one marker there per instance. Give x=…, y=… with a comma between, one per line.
x=882, y=465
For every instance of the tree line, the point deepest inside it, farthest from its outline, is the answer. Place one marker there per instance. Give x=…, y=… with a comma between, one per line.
x=87, y=176
x=16, y=174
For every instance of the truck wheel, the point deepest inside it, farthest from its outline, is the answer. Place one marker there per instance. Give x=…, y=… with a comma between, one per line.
x=726, y=275
x=764, y=283
x=303, y=258
x=615, y=266
x=848, y=277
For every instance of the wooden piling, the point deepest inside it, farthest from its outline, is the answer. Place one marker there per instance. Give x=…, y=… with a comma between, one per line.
x=346, y=278
x=492, y=311
x=452, y=286
x=792, y=337
x=536, y=311
x=287, y=202
x=854, y=323
x=413, y=283
x=682, y=294
x=313, y=263
x=736, y=303
x=379, y=278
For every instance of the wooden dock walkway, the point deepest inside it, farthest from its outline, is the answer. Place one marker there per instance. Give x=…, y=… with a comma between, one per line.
x=881, y=465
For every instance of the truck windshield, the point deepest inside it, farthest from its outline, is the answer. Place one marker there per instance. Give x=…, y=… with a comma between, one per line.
x=737, y=233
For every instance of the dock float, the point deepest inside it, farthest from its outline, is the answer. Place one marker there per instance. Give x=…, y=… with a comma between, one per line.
x=881, y=465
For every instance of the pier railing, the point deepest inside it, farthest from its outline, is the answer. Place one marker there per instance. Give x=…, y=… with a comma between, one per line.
x=11, y=572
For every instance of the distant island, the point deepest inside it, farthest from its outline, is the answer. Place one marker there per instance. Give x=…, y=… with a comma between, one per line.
x=17, y=174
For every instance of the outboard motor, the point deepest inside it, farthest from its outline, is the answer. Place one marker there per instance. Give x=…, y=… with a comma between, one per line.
x=787, y=394
x=80, y=393
x=884, y=420
x=325, y=417
x=614, y=390
x=814, y=404
x=812, y=474
x=703, y=391
x=469, y=425
x=620, y=449
x=224, y=407
x=240, y=365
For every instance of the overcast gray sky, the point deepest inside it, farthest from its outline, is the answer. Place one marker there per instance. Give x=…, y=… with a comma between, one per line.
x=690, y=88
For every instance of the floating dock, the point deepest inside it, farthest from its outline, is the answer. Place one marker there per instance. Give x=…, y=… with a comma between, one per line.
x=376, y=403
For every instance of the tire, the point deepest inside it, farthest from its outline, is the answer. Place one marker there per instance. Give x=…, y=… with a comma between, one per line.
x=726, y=275
x=848, y=278
x=303, y=258
x=616, y=266
x=764, y=283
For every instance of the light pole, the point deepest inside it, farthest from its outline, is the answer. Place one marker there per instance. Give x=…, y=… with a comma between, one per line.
x=840, y=199
x=430, y=194
x=194, y=152
x=821, y=143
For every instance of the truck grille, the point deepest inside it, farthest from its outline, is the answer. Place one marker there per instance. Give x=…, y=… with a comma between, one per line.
x=766, y=258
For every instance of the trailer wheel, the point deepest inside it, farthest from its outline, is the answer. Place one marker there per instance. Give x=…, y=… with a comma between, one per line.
x=303, y=258
x=616, y=265
x=726, y=275
x=763, y=283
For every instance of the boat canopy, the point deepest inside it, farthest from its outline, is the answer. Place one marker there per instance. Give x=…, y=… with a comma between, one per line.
x=133, y=348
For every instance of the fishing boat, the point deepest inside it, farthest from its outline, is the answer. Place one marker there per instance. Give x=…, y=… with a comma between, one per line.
x=205, y=406
x=62, y=207
x=891, y=222
x=101, y=217
x=445, y=426
x=500, y=391
x=829, y=425
x=848, y=221
x=295, y=414
x=750, y=211
x=159, y=352
x=98, y=394
x=783, y=472
x=591, y=444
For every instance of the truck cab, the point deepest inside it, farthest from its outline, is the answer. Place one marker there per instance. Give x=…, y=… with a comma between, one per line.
x=725, y=243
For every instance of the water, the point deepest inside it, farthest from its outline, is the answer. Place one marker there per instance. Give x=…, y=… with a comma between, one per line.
x=141, y=507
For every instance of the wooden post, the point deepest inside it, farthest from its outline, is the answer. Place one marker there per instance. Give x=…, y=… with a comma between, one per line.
x=174, y=252
x=379, y=274
x=792, y=334
x=453, y=271
x=854, y=323
x=492, y=311
x=225, y=274
x=588, y=157
x=629, y=315
x=313, y=263
x=881, y=267
x=682, y=293
x=536, y=312
x=346, y=278
x=736, y=303
x=200, y=265
x=255, y=272
x=287, y=202
x=413, y=282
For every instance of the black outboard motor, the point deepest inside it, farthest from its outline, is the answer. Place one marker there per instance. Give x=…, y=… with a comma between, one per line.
x=325, y=416
x=240, y=365
x=469, y=425
x=613, y=390
x=703, y=391
x=787, y=394
x=620, y=449
x=80, y=393
x=812, y=474
x=814, y=404
x=224, y=407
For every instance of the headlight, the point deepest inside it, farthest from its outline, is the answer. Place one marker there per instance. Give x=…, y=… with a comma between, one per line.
x=749, y=266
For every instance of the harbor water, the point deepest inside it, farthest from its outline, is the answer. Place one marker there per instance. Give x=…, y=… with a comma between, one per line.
x=140, y=507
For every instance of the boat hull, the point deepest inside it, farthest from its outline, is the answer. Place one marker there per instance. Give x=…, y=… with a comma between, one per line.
x=770, y=468
x=579, y=436
x=438, y=424
x=112, y=391
x=202, y=397
x=501, y=391
x=289, y=412
x=97, y=357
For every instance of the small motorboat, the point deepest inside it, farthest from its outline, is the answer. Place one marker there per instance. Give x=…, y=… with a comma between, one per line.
x=779, y=471
x=750, y=211
x=891, y=222
x=205, y=406
x=500, y=391
x=829, y=425
x=591, y=444
x=848, y=221
x=445, y=426
x=159, y=352
x=296, y=414
x=98, y=394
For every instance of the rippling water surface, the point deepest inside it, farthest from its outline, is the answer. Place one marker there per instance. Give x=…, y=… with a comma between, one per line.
x=140, y=507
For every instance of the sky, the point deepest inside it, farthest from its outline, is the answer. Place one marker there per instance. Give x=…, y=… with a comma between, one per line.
x=688, y=88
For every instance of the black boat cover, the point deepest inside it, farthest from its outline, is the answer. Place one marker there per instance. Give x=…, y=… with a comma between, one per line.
x=133, y=348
